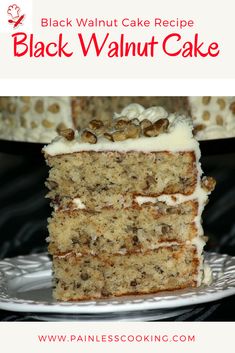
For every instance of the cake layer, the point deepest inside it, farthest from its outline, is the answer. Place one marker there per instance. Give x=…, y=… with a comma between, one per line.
x=113, y=231
x=102, y=179
x=87, y=277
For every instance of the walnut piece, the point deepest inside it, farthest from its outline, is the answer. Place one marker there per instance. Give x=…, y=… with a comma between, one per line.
x=95, y=124
x=208, y=183
x=67, y=133
x=108, y=136
x=88, y=136
x=132, y=131
x=157, y=128
x=119, y=136
x=60, y=127
x=121, y=123
x=145, y=123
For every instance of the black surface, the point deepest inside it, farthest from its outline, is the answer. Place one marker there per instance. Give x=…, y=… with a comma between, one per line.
x=24, y=212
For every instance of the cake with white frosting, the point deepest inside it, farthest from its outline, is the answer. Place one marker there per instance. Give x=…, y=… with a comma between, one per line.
x=39, y=119
x=213, y=117
x=128, y=198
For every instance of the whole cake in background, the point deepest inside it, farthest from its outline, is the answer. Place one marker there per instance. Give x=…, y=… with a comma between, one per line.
x=39, y=119
x=127, y=200
x=213, y=117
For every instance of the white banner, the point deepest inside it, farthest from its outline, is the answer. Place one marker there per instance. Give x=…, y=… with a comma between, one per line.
x=74, y=39
x=161, y=337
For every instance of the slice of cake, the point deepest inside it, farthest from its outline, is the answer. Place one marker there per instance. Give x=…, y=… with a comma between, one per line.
x=128, y=198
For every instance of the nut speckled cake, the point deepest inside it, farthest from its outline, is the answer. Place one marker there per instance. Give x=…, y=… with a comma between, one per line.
x=40, y=119
x=127, y=200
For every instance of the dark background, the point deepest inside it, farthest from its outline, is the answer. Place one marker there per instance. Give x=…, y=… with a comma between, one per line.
x=24, y=212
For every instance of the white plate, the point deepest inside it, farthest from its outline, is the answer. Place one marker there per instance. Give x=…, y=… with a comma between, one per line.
x=25, y=286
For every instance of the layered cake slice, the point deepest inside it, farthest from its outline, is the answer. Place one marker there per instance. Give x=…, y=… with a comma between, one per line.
x=127, y=201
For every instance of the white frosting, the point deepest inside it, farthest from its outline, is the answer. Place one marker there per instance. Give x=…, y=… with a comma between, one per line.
x=212, y=132
x=132, y=111
x=207, y=277
x=78, y=204
x=137, y=111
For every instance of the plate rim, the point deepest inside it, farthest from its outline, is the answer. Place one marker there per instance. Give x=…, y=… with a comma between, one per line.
x=25, y=266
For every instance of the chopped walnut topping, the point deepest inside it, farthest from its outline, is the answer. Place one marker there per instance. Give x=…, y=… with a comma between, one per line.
x=145, y=123
x=108, y=136
x=132, y=131
x=60, y=127
x=67, y=133
x=119, y=136
x=157, y=128
x=88, y=136
x=121, y=123
x=95, y=124
x=208, y=183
